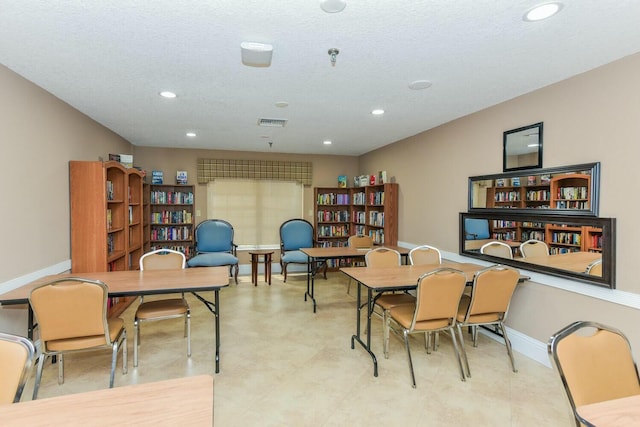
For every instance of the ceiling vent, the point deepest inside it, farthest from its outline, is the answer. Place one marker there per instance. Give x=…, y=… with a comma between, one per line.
x=272, y=123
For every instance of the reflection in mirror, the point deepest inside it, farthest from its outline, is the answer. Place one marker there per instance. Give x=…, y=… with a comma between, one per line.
x=568, y=190
x=577, y=247
x=522, y=148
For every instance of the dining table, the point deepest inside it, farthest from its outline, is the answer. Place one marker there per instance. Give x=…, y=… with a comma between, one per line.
x=571, y=261
x=622, y=412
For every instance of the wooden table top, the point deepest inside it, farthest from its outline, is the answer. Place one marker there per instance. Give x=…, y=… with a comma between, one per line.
x=346, y=252
x=136, y=282
x=572, y=261
x=182, y=401
x=613, y=413
x=403, y=275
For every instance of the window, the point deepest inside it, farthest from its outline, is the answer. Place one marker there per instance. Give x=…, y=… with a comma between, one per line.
x=256, y=209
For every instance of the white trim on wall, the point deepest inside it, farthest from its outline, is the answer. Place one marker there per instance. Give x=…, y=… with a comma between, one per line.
x=62, y=267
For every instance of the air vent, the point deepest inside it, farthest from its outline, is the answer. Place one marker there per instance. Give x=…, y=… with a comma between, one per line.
x=272, y=123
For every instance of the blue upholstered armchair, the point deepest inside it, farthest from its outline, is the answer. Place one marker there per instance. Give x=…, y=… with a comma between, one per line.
x=215, y=247
x=294, y=235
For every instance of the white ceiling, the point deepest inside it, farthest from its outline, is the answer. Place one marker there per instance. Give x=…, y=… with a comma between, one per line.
x=109, y=59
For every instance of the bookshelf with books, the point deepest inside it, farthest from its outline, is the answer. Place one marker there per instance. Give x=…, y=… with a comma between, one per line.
x=571, y=191
x=106, y=219
x=146, y=217
x=171, y=217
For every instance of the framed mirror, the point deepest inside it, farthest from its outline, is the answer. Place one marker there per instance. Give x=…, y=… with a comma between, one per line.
x=566, y=190
x=581, y=248
x=522, y=148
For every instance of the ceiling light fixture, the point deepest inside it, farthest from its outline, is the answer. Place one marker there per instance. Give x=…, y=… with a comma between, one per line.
x=542, y=11
x=377, y=112
x=282, y=104
x=419, y=84
x=333, y=6
x=333, y=53
x=191, y=134
x=327, y=142
x=256, y=54
x=167, y=94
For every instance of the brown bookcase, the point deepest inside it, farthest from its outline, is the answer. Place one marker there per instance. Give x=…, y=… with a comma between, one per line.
x=571, y=191
x=171, y=217
x=106, y=205
x=343, y=212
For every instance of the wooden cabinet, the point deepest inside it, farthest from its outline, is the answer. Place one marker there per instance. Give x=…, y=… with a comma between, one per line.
x=171, y=217
x=343, y=212
x=106, y=205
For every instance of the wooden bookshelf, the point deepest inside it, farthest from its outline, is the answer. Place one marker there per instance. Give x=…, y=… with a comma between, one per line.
x=171, y=217
x=571, y=191
x=106, y=205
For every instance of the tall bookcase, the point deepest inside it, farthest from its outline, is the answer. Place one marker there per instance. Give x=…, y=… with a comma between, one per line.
x=106, y=205
x=343, y=212
x=171, y=221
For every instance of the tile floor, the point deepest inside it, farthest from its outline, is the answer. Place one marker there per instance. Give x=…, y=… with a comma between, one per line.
x=283, y=365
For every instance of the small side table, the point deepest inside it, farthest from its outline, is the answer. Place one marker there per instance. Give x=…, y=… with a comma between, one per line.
x=255, y=260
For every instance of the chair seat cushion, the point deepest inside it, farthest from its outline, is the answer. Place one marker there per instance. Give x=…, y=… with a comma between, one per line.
x=295, y=256
x=474, y=318
x=213, y=260
x=116, y=326
x=388, y=301
x=162, y=309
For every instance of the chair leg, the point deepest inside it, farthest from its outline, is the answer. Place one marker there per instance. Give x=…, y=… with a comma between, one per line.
x=136, y=341
x=463, y=350
x=188, y=325
x=114, y=358
x=125, y=354
x=284, y=271
x=457, y=351
x=36, y=386
x=406, y=343
x=60, y=369
x=508, y=345
x=386, y=320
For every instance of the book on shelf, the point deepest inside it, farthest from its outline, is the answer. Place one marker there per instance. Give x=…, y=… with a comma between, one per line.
x=181, y=177
x=342, y=181
x=382, y=177
x=500, y=182
x=531, y=180
x=125, y=159
x=515, y=182
x=545, y=179
x=157, y=177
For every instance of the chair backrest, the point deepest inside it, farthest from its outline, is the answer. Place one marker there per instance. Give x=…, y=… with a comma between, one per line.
x=476, y=228
x=595, y=268
x=534, y=247
x=296, y=234
x=70, y=308
x=437, y=298
x=214, y=235
x=360, y=242
x=498, y=249
x=163, y=259
x=382, y=257
x=595, y=363
x=16, y=354
x=491, y=294
x=425, y=254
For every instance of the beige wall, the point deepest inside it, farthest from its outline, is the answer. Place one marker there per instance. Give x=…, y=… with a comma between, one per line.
x=588, y=118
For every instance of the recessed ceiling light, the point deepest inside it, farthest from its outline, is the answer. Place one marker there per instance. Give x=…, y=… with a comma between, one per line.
x=282, y=104
x=167, y=94
x=419, y=84
x=333, y=6
x=377, y=112
x=542, y=11
x=191, y=134
x=327, y=142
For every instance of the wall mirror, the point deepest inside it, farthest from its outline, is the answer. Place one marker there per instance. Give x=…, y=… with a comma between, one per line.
x=522, y=148
x=566, y=190
x=577, y=247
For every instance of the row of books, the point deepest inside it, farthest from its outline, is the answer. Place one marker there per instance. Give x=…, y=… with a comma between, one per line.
x=377, y=236
x=333, y=216
x=333, y=199
x=566, y=238
x=538, y=195
x=376, y=198
x=187, y=250
x=172, y=217
x=572, y=193
x=533, y=234
x=358, y=217
x=507, y=196
x=376, y=218
x=566, y=204
x=496, y=223
x=171, y=233
x=505, y=235
x=171, y=197
x=556, y=250
x=333, y=231
x=110, y=191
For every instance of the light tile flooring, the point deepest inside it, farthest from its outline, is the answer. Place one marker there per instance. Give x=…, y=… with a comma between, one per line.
x=283, y=365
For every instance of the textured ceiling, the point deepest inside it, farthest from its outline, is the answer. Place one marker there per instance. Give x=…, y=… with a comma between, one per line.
x=109, y=59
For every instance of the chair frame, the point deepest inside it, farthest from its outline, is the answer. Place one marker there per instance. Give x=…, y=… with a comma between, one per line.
x=25, y=367
x=233, y=268
x=432, y=275
x=498, y=323
x=119, y=342
x=484, y=247
x=529, y=242
x=358, y=241
x=569, y=330
x=426, y=248
x=595, y=268
x=283, y=251
x=137, y=323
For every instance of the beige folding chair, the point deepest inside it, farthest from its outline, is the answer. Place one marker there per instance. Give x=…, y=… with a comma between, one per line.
x=533, y=247
x=595, y=363
x=497, y=249
x=425, y=254
x=435, y=309
x=385, y=257
x=595, y=268
x=358, y=242
x=161, y=259
x=72, y=317
x=488, y=305
x=16, y=354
